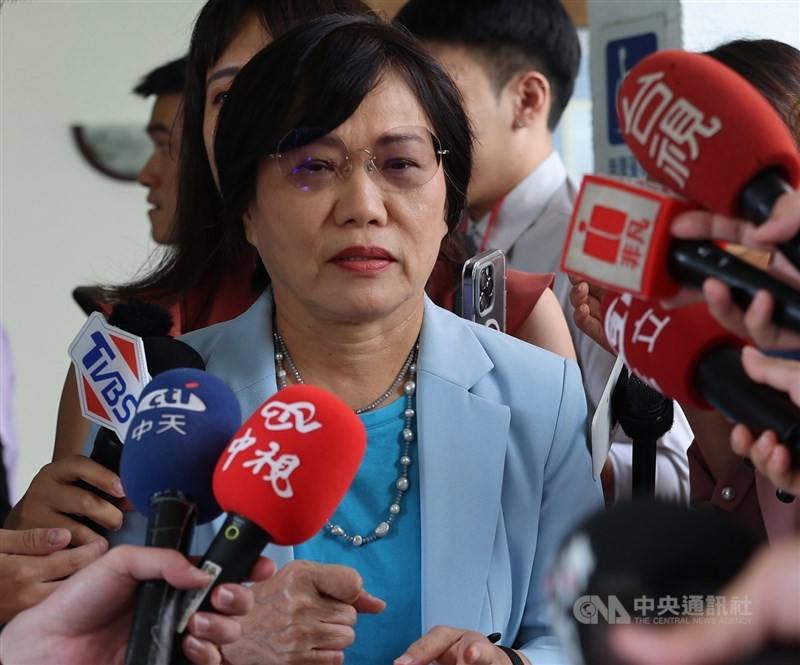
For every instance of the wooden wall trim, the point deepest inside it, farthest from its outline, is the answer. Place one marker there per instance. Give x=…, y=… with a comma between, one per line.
x=577, y=9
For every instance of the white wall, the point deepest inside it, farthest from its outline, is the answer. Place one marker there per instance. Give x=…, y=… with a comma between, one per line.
x=709, y=23
x=61, y=224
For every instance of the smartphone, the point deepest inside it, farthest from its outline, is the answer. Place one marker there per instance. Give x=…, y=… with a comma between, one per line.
x=483, y=289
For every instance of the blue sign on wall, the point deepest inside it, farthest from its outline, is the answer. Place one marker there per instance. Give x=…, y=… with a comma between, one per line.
x=621, y=56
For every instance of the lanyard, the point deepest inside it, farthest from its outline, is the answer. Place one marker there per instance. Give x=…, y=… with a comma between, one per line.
x=493, y=215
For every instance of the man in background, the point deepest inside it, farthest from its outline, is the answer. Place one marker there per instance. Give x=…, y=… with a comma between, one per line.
x=160, y=173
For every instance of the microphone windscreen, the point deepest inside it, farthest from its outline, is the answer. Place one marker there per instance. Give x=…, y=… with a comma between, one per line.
x=641, y=561
x=163, y=353
x=291, y=463
x=141, y=318
x=701, y=129
x=184, y=420
x=663, y=346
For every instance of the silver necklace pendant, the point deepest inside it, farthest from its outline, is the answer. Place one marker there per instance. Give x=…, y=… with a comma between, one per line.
x=408, y=373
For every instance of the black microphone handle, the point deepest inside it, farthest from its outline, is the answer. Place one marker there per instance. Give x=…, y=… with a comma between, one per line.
x=645, y=415
x=230, y=558
x=107, y=451
x=757, y=200
x=721, y=379
x=652, y=415
x=643, y=467
x=171, y=524
x=693, y=262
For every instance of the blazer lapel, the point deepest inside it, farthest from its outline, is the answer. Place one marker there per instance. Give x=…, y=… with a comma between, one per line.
x=461, y=471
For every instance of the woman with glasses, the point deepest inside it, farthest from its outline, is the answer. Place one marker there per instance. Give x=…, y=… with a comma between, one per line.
x=343, y=155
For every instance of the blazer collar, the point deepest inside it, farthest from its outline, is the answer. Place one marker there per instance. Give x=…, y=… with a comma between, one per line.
x=247, y=344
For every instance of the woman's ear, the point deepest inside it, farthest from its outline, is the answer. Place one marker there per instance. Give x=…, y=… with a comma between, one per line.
x=249, y=227
x=532, y=99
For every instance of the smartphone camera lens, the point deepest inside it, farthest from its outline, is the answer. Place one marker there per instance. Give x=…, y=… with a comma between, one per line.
x=486, y=289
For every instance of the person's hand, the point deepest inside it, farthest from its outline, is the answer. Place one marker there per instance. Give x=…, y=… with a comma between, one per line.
x=88, y=618
x=770, y=456
x=33, y=561
x=783, y=224
x=769, y=582
x=52, y=498
x=452, y=646
x=305, y=613
x=586, y=299
x=754, y=323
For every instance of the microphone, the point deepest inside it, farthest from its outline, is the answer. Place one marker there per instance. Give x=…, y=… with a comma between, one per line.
x=647, y=562
x=184, y=419
x=161, y=353
x=645, y=415
x=698, y=127
x=686, y=355
x=152, y=323
x=619, y=239
x=280, y=480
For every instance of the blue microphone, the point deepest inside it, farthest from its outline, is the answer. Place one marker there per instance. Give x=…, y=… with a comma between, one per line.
x=184, y=420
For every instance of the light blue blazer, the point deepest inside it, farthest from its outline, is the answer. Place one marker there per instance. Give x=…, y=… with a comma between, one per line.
x=503, y=463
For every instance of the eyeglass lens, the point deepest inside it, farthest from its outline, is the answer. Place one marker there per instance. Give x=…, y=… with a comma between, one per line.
x=401, y=158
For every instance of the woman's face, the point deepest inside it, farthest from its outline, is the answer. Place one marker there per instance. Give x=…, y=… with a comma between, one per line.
x=357, y=249
x=248, y=41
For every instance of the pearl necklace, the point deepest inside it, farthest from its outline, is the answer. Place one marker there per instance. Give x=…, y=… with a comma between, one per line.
x=407, y=371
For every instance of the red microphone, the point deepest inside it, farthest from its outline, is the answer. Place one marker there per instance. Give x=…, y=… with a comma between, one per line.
x=619, y=238
x=686, y=355
x=280, y=479
x=698, y=127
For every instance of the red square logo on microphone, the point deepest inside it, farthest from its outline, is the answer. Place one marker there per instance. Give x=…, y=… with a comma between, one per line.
x=603, y=233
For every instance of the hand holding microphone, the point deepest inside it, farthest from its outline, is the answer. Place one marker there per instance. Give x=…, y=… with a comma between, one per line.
x=768, y=454
x=88, y=618
x=699, y=128
x=84, y=494
x=53, y=498
x=280, y=479
x=756, y=322
x=687, y=355
x=184, y=419
x=619, y=239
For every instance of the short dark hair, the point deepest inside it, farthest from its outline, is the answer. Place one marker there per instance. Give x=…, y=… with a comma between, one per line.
x=198, y=256
x=772, y=68
x=164, y=80
x=317, y=75
x=508, y=36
